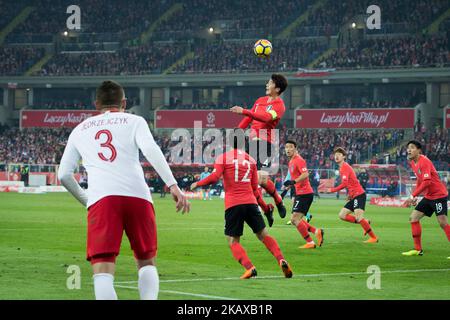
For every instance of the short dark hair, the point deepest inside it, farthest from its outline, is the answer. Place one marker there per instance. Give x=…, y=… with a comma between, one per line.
x=340, y=150
x=416, y=143
x=280, y=82
x=291, y=141
x=109, y=93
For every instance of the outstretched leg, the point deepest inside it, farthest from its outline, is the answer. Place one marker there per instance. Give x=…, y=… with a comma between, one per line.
x=265, y=182
x=272, y=245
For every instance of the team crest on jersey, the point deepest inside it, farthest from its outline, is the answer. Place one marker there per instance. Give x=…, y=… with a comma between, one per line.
x=269, y=108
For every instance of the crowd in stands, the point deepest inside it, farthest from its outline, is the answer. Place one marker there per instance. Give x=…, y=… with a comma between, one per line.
x=45, y=147
x=49, y=17
x=327, y=20
x=15, y=61
x=76, y=104
x=98, y=16
x=199, y=106
x=9, y=10
x=317, y=146
x=436, y=146
x=138, y=60
x=288, y=55
x=226, y=57
x=347, y=103
x=64, y=105
x=198, y=15
x=417, y=51
x=33, y=146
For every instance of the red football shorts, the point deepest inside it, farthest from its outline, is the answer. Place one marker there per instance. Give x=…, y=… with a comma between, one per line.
x=109, y=217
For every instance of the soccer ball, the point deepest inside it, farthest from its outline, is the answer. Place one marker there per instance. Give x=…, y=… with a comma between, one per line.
x=262, y=48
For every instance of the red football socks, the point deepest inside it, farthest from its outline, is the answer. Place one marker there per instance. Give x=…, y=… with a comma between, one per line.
x=447, y=231
x=261, y=201
x=270, y=188
x=350, y=218
x=366, y=226
x=309, y=227
x=417, y=234
x=272, y=245
x=240, y=255
x=303, y=229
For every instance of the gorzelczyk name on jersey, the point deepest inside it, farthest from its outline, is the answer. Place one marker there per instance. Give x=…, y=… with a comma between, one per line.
x=103, y=122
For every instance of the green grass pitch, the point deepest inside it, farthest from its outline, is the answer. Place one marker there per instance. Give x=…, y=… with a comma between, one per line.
x=41, y=235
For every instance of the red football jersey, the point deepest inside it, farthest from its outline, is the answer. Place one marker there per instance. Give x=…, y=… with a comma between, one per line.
x=262, y=105
x=425, y=170
x=297, y=166
x=240, y=177
x=349, y=181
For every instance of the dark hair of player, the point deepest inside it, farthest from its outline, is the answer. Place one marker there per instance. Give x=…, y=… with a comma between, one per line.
x=280, y=82
x=109, y=94
x=291, y=142
x=340, y=150
x=416, y=143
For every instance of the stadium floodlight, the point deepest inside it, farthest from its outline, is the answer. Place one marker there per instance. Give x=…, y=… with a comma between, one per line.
x=353, y=25
x=65, y=33
x=211, y=29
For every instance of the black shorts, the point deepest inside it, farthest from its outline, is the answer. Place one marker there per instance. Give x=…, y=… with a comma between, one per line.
x=237, y=215
x=358, y=202
x=263, y=151
x=428, y=207
x=302, y=203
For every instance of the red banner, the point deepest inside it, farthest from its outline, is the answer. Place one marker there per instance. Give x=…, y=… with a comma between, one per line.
x=54, y=118
x=447, y=118
x=354, y=118
x=206, y=118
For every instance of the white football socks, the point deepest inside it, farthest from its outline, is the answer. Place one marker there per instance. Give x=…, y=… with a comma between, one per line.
x=148, y=283
x=103, y=286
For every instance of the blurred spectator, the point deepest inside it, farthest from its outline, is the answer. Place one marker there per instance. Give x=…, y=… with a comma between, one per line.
x=288, y=55
x=15, y=61
x=144, y=59
x=418, y=51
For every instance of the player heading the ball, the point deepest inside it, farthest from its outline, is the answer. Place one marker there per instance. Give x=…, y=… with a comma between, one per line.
x=263, y=118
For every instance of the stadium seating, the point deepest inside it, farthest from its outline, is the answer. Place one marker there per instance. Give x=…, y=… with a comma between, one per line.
x=127, y=23
x=9, y=10
x=417, y=51
x=37, y=145
x=236, y=57
x=266, y=19
x=17, y=60
x=436, y=145
x=410, y=14
x=144, y=59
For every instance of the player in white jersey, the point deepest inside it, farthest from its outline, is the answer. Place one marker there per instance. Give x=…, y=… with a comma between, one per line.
x=118, y=198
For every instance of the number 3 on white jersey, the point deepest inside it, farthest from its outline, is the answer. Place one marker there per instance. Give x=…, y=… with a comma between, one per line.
x=106, y=144
x=236, y=170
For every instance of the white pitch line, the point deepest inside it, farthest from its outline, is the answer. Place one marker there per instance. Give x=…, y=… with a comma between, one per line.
x=183, y=293
x=295, y=276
